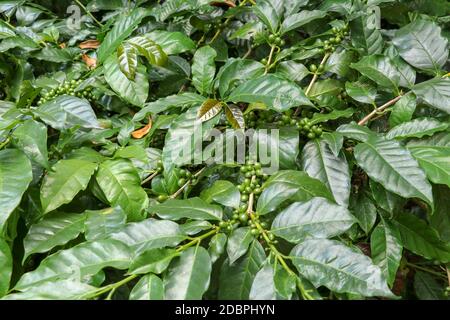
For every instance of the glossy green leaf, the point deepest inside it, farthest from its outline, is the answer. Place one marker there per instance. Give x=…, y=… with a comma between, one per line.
x=435, y=92
x=389, y=163
x=65, y=112
x=421, y=44
x=320, y=163
x=15, y=176
x=299, y=19
x=417, y=128
x=386, y=248
x=419, y=238
x=172, y=42
x=189, y=277
x=193, y=208
x=100, y=224
x=223, y=192
x=53, y=231
x=152, y=261
x=238, y=243
x=379, y=69
x=365, y=36
x=121, y=185
x=403, y=110
x=149, y=287
x=237, y=71
x=275, y=92
x=62, y=184
x=84, y=259
x=316, y=218
x=6, y=267
x=204, y=69
x=31, y=138
x=263, y=287
x=290, y=185
x=330, y=263
x=128, y=60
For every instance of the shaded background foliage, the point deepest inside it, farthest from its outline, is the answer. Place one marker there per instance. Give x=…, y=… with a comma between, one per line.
x=96, y=202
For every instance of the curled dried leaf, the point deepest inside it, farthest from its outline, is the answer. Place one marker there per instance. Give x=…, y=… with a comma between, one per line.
x=89, y=44
x=225, y=3
x=142, y=132
x=90, y=62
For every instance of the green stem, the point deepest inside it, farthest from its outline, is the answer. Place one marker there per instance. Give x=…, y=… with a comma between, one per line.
x=4, y=143
x=179, y=191
x=198, y=239
x=110, y=287
x=269, y=60
x=415, y=266
x=89, y=13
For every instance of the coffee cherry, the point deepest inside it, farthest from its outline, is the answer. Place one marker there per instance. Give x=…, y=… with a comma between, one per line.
x=272, y=38
x=244, y=197
x=264, y=61
x=181, y=182
x=311, y=135
x=278, y=41
x=243, y=218
x=254, y=232
x=223, y=224
x=162, y=198
x=313, y=68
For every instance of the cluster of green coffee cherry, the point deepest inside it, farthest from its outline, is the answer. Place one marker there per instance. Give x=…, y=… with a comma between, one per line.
x=339, y=34
x=304, y=124
x=67, y=88
x=185, y=176
x=260, y=119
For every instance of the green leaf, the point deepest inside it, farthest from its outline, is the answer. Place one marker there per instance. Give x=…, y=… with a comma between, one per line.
x=275, y=92
x=440, y=220
x=419, y=238
x=236, y=279
x=149, y=287
x=237, y=71
x=31, y=138
x=149, y=49
x=386, y=248
x=292, y=70
x=15, y=176
x=121, y=185
x=163, y=104
x=421, y=44
x=324, y=87
x=192, y=208
x=320, y=163
x=204, y=69
x=122, y=29
x=209, y=109
x=263, y=287
x=361, y=91
x=65, y=112
x=134, y=91
x=152, y=261
x=235, y=116
x=172, y=42
x=356, y=132
x=6, y=267
x=299, y=19
x=333, y=115
x=238, y=243
x=339, y=62
x=100, y=224
x=316, y=218
x=149, y=234
x=189, y=277
x=182, y=139
x=66, y=289
x=426, y=287
x=331, y=264
x=290, y=185
x=223, y=192
x=365, y=211
x=366, y=36
x=379, y=69
x=417, y=128
x=390, y=164
x=53, y=231
x=434, y=92
x=128, y=60
x=403, y=110
x=285, y=283
x=82, y=260
x=334, y=140
x=270, y=13
x=62, y=184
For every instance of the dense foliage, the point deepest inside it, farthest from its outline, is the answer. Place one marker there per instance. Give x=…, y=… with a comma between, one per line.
x=100, y=100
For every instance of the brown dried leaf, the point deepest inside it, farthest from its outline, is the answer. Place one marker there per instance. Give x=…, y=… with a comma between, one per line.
x=62, y=45
x=90, y=62
x=89, y=44
x=226, y=3
x=142, y=132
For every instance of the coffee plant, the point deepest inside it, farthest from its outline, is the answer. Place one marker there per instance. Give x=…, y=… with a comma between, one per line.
x=101, y=193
